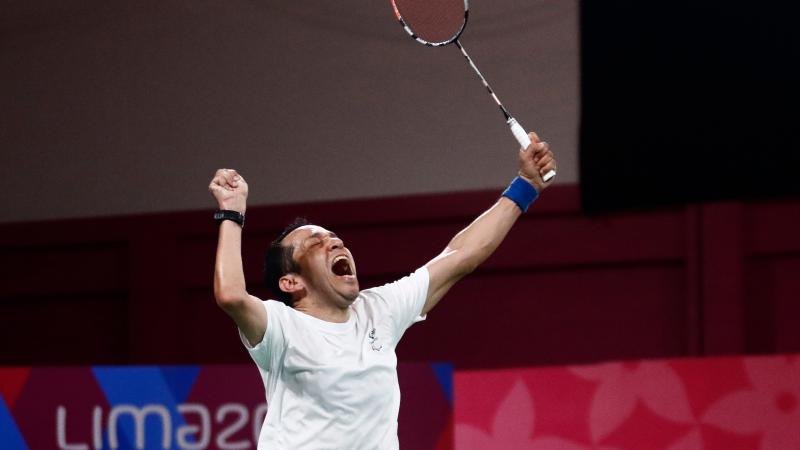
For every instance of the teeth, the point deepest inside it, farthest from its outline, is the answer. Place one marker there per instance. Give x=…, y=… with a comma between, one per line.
x=339, y=258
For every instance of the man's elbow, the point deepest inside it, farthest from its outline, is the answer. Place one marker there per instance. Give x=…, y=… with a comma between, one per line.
x=229, y=299
x=468, y=269
x=466, y=266
x=460, y=262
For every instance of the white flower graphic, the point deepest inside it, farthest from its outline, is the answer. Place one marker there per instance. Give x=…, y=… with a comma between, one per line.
x=513, y=427
x=653, y=383
x=771, y=407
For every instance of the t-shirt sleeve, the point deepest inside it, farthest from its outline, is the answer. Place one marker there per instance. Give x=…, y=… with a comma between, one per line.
x=405, y=299
x=270, y=349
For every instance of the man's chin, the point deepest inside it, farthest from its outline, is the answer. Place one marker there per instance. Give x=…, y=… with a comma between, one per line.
x=352, y=296
x=346, y=287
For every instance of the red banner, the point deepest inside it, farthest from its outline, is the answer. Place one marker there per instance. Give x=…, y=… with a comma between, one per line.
x=715, y=403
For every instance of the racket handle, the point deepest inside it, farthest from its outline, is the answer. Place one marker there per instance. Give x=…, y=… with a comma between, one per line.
x=519, y=132
x=522, y=137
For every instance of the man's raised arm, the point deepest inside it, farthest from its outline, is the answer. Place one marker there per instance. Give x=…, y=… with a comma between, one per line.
x=472, y=245
x=230, y=191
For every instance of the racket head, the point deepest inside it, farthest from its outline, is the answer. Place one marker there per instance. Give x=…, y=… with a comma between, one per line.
x=432, y=22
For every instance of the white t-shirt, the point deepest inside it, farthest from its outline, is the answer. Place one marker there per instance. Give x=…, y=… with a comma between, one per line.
x=334, y=385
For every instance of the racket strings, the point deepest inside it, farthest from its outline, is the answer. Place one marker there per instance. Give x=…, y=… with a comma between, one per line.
x=433, y=21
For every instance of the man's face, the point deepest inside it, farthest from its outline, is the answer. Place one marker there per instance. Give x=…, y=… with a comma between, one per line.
x=326, y=265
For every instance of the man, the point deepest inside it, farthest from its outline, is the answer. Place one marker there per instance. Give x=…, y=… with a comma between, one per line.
x=326, y=351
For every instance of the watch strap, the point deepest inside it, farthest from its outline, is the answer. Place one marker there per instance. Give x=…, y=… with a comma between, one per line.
x=227, y=214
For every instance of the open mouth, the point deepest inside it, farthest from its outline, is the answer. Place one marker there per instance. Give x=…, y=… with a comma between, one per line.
x=341, y=266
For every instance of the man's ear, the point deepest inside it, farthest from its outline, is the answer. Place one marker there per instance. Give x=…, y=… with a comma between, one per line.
x=291, y=283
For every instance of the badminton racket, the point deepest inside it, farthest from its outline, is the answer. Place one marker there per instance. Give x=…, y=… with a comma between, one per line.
x=436, y=23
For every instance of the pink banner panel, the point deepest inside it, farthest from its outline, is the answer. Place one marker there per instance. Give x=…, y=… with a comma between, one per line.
x=677, y=404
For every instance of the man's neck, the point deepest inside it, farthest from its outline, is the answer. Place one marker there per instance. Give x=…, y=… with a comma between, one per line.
x=322, y=310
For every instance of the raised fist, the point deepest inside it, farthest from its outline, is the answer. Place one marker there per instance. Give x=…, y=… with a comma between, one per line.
x=229, y=189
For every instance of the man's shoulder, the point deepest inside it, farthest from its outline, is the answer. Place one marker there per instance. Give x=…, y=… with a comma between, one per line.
x=279, y=311
x=274, y=305
x=417, y=276
x=391, y=288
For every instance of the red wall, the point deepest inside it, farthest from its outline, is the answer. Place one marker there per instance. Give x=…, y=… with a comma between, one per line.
x=564, y=288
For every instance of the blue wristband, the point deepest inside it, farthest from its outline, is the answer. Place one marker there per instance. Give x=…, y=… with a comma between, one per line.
x=521, y=192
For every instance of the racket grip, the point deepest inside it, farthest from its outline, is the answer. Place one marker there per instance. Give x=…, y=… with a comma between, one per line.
x=523, y=139
x=519, y=133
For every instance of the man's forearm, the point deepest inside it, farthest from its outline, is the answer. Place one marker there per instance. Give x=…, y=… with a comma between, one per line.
x=229, y=281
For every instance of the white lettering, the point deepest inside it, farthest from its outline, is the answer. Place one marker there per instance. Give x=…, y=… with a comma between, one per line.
x=194, y=435
x=61, y=431
x=139, y=415
x=204, y=428
x=222, y=438
x=258, y=420
x=97, y=427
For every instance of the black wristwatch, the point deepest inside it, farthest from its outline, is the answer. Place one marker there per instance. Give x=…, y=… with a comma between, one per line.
x=227, y=214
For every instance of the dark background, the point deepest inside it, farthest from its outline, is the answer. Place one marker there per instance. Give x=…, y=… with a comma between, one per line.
x=688, y=102
x=564, y=288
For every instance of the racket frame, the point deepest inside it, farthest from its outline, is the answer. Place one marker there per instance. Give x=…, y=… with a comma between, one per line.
x=414, y=36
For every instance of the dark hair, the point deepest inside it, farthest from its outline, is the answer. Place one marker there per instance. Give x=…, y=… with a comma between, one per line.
x=279, y=261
